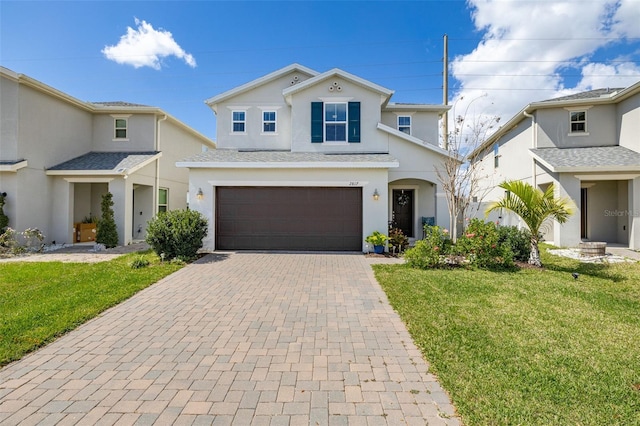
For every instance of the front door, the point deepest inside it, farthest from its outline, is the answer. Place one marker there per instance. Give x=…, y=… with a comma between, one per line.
x=403, y=211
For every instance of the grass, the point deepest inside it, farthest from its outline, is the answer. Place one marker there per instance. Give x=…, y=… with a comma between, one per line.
x=42, y=301
x=533, y=347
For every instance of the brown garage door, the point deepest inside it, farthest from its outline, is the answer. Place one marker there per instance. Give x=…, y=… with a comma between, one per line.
x=288, y=218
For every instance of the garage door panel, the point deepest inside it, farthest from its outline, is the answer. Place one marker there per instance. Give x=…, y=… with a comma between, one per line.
x=288, y=218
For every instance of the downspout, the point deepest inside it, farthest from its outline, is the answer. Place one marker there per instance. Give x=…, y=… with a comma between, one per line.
x=534, y=143
x=155, y=193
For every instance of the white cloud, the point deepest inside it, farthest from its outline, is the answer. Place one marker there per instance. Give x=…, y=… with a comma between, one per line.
x=146, y=47
x=528, y=47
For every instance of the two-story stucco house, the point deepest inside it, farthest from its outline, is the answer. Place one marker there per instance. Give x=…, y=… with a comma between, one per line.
x=588, y=146
x=59, y=155
x=316, y=161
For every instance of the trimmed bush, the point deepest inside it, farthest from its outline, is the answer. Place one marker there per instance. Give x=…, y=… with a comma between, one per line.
x=177, y=234
x=107, y=232
x=519, y=240
x=429, y=253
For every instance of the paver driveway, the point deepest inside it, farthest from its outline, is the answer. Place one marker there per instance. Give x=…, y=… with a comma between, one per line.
x=241, y=338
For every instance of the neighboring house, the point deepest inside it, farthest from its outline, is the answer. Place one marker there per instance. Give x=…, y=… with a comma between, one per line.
x=588, y=145
x=316, y=161
x=59, y=155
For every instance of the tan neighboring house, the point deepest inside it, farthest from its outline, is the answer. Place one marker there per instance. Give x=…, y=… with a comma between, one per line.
x=316, y=161
x=59, y=155
x=588, y=146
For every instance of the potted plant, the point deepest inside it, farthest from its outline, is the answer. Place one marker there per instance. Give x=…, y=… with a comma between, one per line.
x=378, y=240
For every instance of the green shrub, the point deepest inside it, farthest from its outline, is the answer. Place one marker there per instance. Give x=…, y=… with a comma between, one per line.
x=430, y=252
x=480, y=245
x=519, y=240
x=139, y=262
x=107, y=232
x=4, y=219
x=177, y=234
x=397, y=240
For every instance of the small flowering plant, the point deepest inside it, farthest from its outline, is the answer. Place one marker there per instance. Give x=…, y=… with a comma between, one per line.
x=480, y=245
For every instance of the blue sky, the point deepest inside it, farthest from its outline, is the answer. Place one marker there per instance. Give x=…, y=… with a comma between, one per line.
x=508, y=52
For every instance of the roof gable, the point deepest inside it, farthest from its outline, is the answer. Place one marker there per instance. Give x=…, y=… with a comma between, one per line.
x=336, y=72
x=259, y=82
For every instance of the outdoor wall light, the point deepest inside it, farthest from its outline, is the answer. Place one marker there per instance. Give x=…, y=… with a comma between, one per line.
x=376, y=196
x=200, y=194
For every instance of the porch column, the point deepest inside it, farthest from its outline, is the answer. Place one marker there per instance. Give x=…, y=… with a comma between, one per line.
x=62, y=212
x=634, y=216
x=568, y=233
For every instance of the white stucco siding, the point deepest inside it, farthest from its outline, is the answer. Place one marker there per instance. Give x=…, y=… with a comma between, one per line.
x=351, y=92
x=424, y=125
x=374, y=214
x=267, y=97
x=51, y=131
x=629, y=123
x=554, y=127
x=9, y=101
x=140, y=133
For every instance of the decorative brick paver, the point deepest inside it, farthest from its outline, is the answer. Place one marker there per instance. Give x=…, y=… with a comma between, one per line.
x=238, y=338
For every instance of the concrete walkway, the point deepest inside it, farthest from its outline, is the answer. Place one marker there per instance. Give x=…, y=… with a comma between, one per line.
x=239, y=338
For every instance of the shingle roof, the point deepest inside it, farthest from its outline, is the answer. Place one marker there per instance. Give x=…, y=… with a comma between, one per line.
x=602, y=158
x=113, y=161
x=236, y=156
x=10, y=162
x=120, y=104
x=590, y=94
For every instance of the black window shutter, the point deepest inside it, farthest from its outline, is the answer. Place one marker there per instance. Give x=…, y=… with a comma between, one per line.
x=316, y=122
x=354, y=122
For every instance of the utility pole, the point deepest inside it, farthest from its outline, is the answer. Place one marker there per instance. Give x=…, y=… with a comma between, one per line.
x=445, y=93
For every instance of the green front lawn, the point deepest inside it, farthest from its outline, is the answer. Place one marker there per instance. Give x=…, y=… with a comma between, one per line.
x=533, y=347
x=41, y=301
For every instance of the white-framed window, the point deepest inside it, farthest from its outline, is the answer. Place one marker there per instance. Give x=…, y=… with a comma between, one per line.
x=121, y=127
x=269, y=121
x=335, y=122
x=238, y=121
x=404, y=123
x=578, y=121
x=163, y=200
x=496, y=156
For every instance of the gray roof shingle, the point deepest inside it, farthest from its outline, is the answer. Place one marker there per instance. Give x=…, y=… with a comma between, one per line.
x=235, y=156
x=601, y=158
x=106, y=161
x=589, y=94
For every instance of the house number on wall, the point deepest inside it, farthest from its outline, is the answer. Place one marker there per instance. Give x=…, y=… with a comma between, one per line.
x=354, y=183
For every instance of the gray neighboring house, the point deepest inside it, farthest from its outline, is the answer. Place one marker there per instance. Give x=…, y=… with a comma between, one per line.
x=59, y=155
x=588, y=145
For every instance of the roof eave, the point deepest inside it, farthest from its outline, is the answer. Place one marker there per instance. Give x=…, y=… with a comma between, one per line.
x=12, y=168
x=287, y=165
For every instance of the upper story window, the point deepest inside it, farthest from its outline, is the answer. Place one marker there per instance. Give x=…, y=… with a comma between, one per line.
x=496, y=156
x=335, y=122
x=238, y=121
x=578, y=121
x=120, y=127
x=404, y=123
x=268, y=121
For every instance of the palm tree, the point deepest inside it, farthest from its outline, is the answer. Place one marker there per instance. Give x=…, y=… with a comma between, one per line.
x=534, y=207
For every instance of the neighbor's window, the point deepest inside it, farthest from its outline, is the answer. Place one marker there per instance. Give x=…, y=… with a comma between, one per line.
x=404, y=124
x=335, y=122
x=578, y=121
x=121, y=128
x=163, y=200
x=268, y=121
x=238, y=121
x=496, y=156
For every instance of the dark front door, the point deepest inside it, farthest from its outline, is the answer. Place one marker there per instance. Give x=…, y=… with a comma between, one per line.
x=403, y=210
x=288, y=218
x=583, y=213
